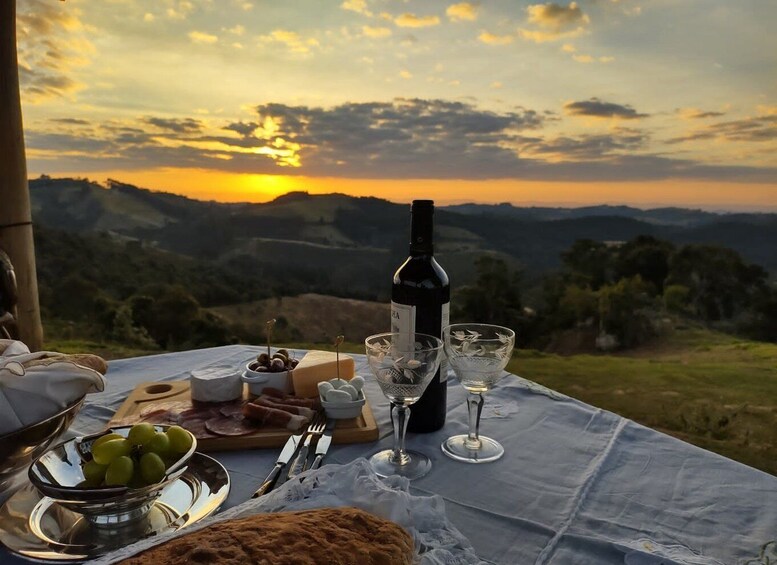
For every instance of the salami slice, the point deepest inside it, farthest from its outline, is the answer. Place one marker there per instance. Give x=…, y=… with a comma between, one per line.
x=232, y=410
x=224, y=426
x=265, y=416
x=172, y=406
x=278, y=404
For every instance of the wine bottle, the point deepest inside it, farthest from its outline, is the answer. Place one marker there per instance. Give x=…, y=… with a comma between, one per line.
x=420, y=303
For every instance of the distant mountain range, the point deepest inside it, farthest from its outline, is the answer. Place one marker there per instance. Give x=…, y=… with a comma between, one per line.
x=354, y=244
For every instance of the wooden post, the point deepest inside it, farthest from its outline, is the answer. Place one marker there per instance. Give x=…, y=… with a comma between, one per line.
x=15, y=217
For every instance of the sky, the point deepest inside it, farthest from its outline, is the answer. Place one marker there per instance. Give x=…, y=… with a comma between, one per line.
x=648, y=103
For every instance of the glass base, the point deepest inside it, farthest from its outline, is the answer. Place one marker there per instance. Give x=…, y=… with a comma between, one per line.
x=456, y=448
x=417, y=465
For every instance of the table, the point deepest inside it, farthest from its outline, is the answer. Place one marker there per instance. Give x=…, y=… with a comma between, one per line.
x=577, y=485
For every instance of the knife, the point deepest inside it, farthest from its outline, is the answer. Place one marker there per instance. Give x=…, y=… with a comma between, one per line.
x=286, y=454
x=323, y=443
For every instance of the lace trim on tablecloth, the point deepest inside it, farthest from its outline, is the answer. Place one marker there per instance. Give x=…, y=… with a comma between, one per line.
x=437, y=541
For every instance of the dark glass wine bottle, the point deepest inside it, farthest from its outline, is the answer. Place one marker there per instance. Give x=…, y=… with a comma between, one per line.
x=420, y=303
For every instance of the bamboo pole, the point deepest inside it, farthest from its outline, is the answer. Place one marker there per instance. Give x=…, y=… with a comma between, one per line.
x=15, y=216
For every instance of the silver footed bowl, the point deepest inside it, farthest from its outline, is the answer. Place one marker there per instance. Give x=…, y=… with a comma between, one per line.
x=19, y=448
x=58, y=474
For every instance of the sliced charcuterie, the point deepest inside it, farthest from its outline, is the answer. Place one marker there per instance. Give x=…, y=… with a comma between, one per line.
x=265, y=416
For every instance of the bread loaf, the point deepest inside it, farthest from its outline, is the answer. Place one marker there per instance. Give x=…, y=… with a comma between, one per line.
x=327, y=536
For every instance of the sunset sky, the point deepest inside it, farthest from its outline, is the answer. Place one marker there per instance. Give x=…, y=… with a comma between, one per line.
x=644, y=102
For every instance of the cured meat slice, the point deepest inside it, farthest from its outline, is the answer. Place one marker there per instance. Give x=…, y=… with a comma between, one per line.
x=265, y=416
x=197, y=427
x=224, y=426
x=274, y=392
x=172, y=406
x=278, y=404
x=232, y=410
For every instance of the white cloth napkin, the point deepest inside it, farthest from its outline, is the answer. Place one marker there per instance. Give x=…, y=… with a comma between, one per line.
x=31, y=394
x=437, y=541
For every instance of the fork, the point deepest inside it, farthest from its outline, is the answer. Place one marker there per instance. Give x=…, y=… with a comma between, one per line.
x=314, y=431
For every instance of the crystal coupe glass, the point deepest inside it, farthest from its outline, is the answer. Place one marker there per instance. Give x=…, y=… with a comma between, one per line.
x=403, y=365
x=478, y=353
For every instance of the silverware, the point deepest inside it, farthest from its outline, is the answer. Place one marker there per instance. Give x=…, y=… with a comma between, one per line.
x=315, y=430
x=286, y=454
x=323, y=443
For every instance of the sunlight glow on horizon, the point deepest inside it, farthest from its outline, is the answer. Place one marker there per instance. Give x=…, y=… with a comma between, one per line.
x=202, y=184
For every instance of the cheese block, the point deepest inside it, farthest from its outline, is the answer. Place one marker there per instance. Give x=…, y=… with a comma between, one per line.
x=216, y=384
x=317, y=366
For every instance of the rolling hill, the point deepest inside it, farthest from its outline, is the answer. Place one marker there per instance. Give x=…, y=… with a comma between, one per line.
x=348, y=246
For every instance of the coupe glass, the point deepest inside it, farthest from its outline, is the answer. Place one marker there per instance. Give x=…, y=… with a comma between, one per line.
x=478, y=354
x=403, y=365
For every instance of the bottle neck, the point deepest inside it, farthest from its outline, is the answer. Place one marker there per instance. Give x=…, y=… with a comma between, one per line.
x=421, y=232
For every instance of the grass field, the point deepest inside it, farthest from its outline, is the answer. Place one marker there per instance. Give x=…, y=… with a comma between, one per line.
x=709, y=389
x=706, y=388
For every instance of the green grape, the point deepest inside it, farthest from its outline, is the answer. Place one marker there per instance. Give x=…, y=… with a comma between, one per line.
x=159, y=444
x=105, y=453
x=180, y=439
x=107, y=437
x=120, y=471
x=94, y=473
x=140, y=434
x=152, y=468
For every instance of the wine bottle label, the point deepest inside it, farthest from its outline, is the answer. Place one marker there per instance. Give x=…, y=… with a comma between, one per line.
x=446, y=320
x=403, y=322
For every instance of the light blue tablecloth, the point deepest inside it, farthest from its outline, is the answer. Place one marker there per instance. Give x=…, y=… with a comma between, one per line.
x=577, y=485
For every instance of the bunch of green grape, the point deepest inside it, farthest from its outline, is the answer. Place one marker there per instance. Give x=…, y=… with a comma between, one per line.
x=138, y=460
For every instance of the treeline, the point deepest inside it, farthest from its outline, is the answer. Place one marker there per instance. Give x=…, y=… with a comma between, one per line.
x=627, y=293
x=107, y=289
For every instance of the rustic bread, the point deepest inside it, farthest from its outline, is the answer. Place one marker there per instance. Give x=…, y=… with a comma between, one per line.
x=327, y=536
x=83, y=359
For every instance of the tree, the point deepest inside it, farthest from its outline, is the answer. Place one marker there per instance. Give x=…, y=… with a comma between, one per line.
x=647, y=257
x=721, y=284
x=495, y=297
x=590, y=261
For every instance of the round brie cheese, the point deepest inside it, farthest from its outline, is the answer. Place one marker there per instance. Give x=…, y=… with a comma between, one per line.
x=216, y=384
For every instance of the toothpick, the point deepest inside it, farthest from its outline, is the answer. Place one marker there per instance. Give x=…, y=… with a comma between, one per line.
x=338, y=341
x=268, y=330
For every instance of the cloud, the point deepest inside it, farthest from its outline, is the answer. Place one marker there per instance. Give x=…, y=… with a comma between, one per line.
x=556, y=17
x=554, y=21
x=70, y=121
x=600, y=109
x=599, y=147
x=180, y=10
x=358, y=6
x=400, y=139
x=493, y=39
x=751, y=129
x=371, y=31
x=411, y=20
x=183, y=125
x=697, y=114
x=202, y=37
x=52, y=44
x=291, y=39
x=404, y=73
x=462, y=11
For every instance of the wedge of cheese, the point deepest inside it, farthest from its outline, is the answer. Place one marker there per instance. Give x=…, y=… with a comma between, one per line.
x=317, y=366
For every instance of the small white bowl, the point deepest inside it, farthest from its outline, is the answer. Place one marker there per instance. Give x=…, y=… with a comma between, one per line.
x=257, y=381
x=344, y=410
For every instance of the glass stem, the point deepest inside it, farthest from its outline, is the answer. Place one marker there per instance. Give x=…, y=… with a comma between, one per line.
x=399, y=417
x=474, y=407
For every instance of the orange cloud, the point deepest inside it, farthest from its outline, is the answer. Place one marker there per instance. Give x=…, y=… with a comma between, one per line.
x=493, y=39
x=411, y=20
x=462, y=11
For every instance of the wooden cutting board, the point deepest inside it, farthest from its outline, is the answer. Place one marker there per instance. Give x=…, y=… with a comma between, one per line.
x=354, y=430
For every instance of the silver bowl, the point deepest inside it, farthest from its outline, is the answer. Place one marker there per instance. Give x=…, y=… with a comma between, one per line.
x=58, y=474
x=19, y=448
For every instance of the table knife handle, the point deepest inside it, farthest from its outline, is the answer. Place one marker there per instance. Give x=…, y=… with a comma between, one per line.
x=270, y=481
x=317, y=461
x=299, y=462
